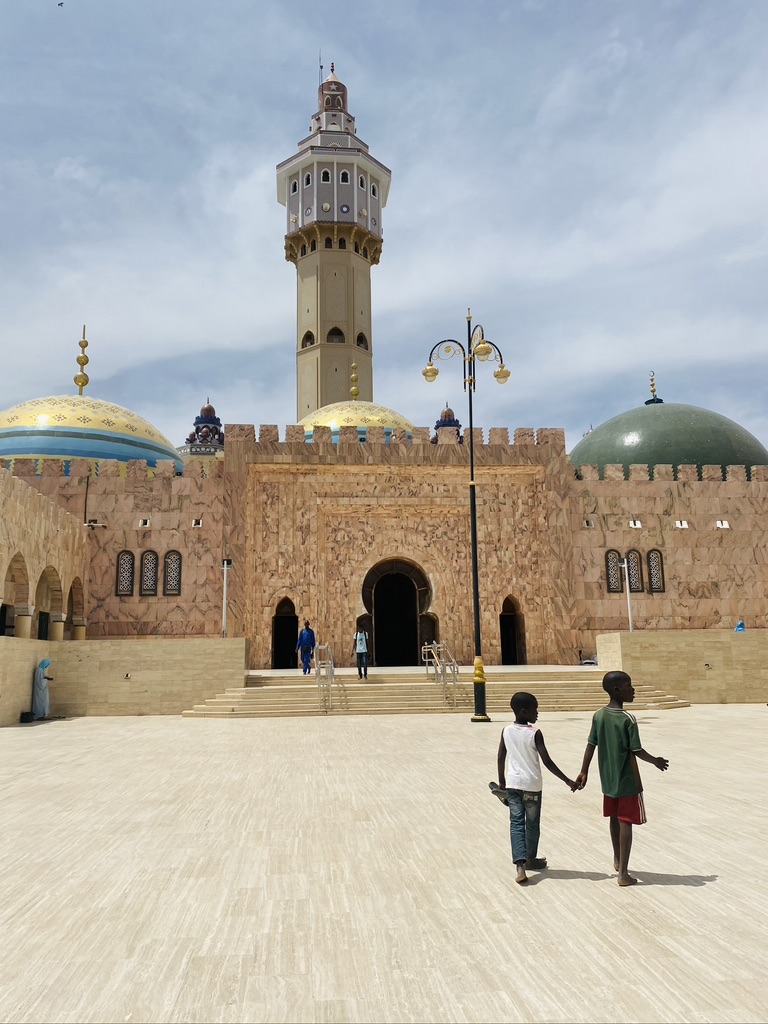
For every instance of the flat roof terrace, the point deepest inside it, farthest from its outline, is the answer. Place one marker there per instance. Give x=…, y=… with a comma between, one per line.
x=358, y=869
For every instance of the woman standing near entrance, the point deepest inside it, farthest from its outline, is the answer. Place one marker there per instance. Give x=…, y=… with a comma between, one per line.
x=306, y=645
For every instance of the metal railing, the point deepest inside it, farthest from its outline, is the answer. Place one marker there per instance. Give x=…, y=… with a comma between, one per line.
x=437, y=658
x=324, y=674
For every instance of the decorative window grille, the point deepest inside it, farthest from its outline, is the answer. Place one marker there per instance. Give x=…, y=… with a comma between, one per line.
x=613, y=577
x=329, y=243
x=342, y=243
x=635, y=572
x=172, y=574
x=124, y=584
x=149, y=567
x=655, y=572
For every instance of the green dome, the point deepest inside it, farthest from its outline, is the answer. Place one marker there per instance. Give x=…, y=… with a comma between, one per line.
x=661, y=434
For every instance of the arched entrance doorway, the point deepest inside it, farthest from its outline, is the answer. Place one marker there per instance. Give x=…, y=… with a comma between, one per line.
x=512, y=630
x=285, y=634
x=396, y=595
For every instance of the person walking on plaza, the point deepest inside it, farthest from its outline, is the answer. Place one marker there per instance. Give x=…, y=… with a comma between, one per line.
x=306, y=646
x=615, y=734
x=520, y=783
x=360, y=648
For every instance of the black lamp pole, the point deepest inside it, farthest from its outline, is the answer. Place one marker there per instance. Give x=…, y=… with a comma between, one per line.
x=478, y=349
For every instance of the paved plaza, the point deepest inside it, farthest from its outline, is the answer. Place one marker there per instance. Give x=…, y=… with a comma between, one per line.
x=357, y=869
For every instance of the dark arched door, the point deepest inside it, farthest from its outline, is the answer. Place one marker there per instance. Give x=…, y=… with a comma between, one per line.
x=512, y=630
x=285, y=635
x=395, y=621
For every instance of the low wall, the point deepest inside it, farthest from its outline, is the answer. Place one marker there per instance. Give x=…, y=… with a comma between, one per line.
x=166, y=676
x=703, y=666
x=18, y=661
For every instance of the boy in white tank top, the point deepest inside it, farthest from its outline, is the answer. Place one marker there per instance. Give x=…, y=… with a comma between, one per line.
x=521, y=751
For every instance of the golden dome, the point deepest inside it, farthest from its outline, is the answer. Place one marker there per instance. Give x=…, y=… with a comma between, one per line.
x=355, y=414
x=76, y=426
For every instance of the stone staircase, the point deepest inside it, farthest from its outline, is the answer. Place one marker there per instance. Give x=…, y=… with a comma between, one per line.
x=410, y=691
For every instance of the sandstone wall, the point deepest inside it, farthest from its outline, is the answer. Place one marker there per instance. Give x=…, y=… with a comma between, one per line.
x=703, y=666
x=712, y=576
x=167, y=676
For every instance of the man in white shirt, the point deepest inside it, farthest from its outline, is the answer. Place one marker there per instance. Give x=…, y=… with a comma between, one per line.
x=360, y=648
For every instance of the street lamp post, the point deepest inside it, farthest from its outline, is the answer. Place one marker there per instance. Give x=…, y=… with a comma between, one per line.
x=478, y=349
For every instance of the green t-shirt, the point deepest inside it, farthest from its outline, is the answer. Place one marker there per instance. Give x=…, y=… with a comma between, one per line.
x=615, y=734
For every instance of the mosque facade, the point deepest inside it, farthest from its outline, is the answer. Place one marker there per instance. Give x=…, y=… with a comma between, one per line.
x=354, y=515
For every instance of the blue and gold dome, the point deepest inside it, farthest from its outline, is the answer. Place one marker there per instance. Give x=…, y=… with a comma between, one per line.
x=79, y=427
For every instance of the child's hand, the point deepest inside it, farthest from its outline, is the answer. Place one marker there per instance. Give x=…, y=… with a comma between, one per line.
x=573, y=786
x=661, y=763
x=581, y=780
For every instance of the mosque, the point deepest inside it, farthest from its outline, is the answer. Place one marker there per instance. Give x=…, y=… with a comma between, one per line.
x=354, y=515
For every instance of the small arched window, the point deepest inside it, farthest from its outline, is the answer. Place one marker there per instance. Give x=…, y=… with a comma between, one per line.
x=635, y=572
x=357, y=248
x=329, y=243
x=362, y=342
x=362, y=181
x=312, y=245
x=374, y=190
x=365, y=253
x=325, y=176
x=655, y=572
x=294, y=187
x=303, y=250
x=338, y=102
x=335, y=336
x=149, y=572
x=308, y=340
x=613, y=578
x=172, y=574
x=342, y=243
x=344, y=177
x=327, y=101
x=307, y=180
x=124, y=583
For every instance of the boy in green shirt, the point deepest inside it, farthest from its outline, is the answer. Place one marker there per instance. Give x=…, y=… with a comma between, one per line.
x=614, y=732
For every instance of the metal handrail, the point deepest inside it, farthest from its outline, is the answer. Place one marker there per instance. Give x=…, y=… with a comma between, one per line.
x=324, y=674
x=439, y=658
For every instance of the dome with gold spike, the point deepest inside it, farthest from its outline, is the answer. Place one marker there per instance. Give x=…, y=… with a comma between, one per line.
x=355, y=414
x=70, y=427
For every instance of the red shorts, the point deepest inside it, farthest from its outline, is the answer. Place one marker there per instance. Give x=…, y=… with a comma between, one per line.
x=630, y=809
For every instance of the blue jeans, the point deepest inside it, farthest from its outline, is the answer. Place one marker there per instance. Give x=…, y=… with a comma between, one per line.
x=306, y=660
x=524, y=823
x=362, y=664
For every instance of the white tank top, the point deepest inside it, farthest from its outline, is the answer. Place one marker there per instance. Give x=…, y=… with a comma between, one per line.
x=522, y=768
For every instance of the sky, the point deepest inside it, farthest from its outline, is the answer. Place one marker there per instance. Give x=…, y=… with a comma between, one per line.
x=590, y=176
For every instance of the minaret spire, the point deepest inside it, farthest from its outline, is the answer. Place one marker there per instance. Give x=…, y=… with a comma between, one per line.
x=334, y=192
x=81, y=378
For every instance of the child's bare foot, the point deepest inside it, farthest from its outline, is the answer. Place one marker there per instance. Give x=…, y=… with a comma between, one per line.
x=627, y=880
x=520, y=877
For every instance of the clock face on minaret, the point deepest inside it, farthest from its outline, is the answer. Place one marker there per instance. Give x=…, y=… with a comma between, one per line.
x=334, y=192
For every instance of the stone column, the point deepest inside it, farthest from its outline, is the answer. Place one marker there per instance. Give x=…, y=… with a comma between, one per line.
x=56, y=628
x=22, y=625
x=79, y=627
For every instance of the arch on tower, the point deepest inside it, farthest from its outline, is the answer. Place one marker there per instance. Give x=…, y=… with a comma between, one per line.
x=308, y=340
x=336, y=337
x=361, y=341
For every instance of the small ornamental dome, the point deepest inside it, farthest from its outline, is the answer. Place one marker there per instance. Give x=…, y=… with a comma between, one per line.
x=79, y=427
x=447, y=414
x=355, y=414
x=659, y=434
x=206, y=437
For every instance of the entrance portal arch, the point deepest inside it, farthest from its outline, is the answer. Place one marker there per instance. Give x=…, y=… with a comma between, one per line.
x=512, y=630
x=285, y=635
x=396, y=594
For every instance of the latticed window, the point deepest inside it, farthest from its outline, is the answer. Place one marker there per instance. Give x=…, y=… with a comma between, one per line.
x=172, y=574
x=124, y=584
x=655, y=572
x=149, y=566
x=613, y=575
x=635, y=572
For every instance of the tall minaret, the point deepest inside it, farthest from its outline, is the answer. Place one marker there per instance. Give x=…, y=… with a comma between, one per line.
x=334, y=192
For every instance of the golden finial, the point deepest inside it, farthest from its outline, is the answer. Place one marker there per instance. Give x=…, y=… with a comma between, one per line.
x=653, y=384
x=354, y=390
x=82, y=378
